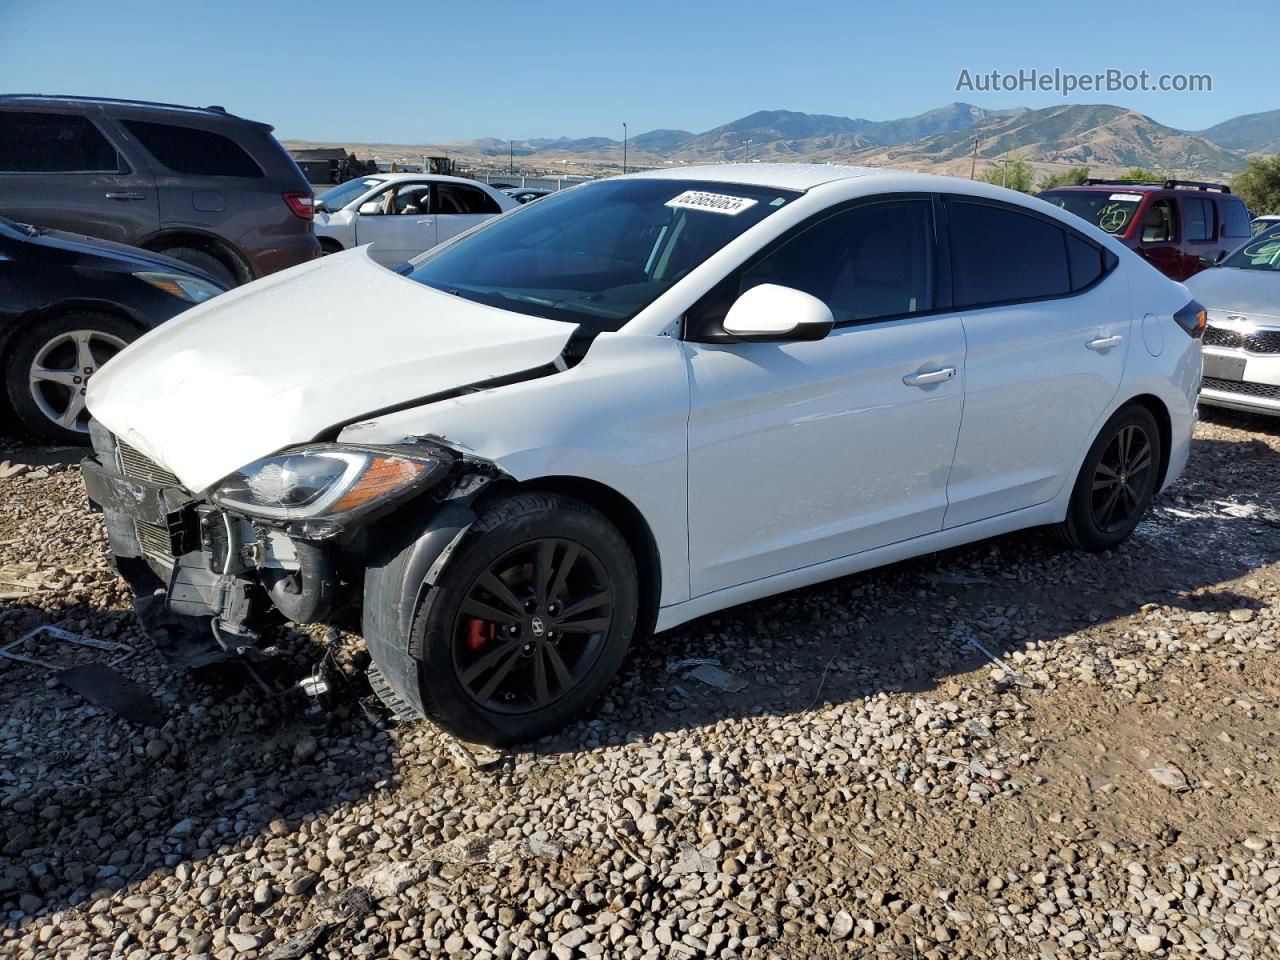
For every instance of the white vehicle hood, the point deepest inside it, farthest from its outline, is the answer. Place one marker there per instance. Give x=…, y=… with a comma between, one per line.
x=1254, y=293
x=276, y=363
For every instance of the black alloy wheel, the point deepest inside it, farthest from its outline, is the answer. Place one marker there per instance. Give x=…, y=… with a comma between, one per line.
x=532, y=626
x=1121, y=478
x=528, y=620
x=1117, y=481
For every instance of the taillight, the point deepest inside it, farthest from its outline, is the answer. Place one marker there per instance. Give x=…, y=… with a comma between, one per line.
x=302, y=204
x=1192, y=318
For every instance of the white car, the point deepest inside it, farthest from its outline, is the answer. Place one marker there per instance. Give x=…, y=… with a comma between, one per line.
x=402, y=214
x=1242, y=341
x=631, y=404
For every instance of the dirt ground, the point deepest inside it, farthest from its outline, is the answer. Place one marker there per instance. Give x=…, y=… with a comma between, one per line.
x=1004, y=750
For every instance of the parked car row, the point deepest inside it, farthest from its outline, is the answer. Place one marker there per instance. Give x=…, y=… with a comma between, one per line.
x=403, y=214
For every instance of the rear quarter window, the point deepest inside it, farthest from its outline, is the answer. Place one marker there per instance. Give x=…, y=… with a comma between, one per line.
x=192, y=151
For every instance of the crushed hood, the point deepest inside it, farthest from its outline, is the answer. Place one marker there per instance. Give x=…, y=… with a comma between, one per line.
x=1254, y=293
x=278, y=362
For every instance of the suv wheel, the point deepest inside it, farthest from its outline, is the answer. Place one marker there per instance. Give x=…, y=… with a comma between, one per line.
x=1117, y=482
x=528, y=622
x=207, y=262
x=49, y=367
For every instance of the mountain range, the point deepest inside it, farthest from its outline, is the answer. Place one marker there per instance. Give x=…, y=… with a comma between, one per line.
x=1102, y=136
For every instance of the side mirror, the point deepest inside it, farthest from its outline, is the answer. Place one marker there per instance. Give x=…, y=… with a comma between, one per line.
x=370, y=207
x=769, y=312
x=1213, y=259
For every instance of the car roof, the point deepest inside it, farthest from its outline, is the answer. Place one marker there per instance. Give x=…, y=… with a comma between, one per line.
x=783, y=176
x=55, y=99
x=432, y=177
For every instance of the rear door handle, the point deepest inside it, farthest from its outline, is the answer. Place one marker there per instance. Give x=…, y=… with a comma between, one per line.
x=1105, y=343
x=929, y=376
x=117, y=195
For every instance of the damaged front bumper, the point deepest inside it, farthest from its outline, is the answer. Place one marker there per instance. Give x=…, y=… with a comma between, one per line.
x=207, y=578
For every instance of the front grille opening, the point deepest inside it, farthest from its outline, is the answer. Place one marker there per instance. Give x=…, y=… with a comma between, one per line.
x=135, y=464
x=1260, y=341
x=155, y=539
x=1265, y=391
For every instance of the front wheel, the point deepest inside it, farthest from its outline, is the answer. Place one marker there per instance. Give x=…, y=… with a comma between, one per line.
x=49, y=367
x=1117, y=482
x=528, y=622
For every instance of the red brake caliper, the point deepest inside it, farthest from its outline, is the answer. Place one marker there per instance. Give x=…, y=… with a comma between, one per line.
x=479, y=633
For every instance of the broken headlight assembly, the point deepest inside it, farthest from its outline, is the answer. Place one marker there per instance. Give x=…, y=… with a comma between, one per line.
x=324, y=486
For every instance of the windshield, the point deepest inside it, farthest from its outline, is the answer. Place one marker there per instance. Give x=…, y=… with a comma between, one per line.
x=1112, y=211
x=1260, y=253
x=335, y=198
x=597, y=254
x=1263, y=223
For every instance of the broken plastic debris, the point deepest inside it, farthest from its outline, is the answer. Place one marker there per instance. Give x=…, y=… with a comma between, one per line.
x=675, y=666
x=122, y=650
x=720, y=679
x=109, y=689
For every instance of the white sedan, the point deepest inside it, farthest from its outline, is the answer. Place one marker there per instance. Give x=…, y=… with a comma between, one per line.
x=635, y=403
x=403, y=214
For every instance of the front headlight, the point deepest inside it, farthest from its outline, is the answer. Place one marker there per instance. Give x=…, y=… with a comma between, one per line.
x=326, y=481
x=190, y=289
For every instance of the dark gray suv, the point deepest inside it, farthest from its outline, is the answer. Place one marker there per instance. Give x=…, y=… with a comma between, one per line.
x=196, y=183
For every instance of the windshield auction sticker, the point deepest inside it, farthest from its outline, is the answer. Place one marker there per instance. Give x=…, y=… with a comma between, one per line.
x=711, y=202
x=1130, y=197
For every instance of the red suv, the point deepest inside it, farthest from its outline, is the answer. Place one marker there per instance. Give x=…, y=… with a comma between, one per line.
x=1178, y=225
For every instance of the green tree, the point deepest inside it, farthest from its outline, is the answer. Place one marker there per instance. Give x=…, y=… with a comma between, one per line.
x=1016, y=174
x=1072, y=177
x=1259, y=185
x=1139, y=173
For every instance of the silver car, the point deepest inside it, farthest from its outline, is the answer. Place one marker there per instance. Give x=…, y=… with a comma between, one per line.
x=1242, y=340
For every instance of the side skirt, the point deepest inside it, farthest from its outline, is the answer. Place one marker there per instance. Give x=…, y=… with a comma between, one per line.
x=678, y=613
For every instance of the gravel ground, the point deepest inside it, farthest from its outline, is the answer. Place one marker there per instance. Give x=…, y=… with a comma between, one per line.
x=1005, y=750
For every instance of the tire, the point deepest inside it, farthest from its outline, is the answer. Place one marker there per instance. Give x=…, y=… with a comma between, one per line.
x=1118, y=474
x=329, y=246
x=56, y=347
x=206, y=262
x=459, y=654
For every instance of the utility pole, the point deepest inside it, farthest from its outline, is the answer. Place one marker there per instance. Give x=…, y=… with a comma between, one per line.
x=973, y=165
x=511, y=158
x=624, y=147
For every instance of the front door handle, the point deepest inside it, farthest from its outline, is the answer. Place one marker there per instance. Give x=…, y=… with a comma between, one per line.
x=929, y=376
x=125, y=195
x=1105, y=343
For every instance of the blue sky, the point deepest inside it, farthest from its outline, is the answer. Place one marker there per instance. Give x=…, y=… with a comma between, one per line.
x=429, y=72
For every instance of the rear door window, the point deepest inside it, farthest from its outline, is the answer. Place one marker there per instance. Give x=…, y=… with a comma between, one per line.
x=999, y=255
x=1197, y=218
x=192, y=151
x=456, y=198
x=54, y=143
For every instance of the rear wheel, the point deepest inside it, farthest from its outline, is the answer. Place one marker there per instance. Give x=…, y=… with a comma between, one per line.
x=1117, y=482
x=528, y=622
x=49, y=368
